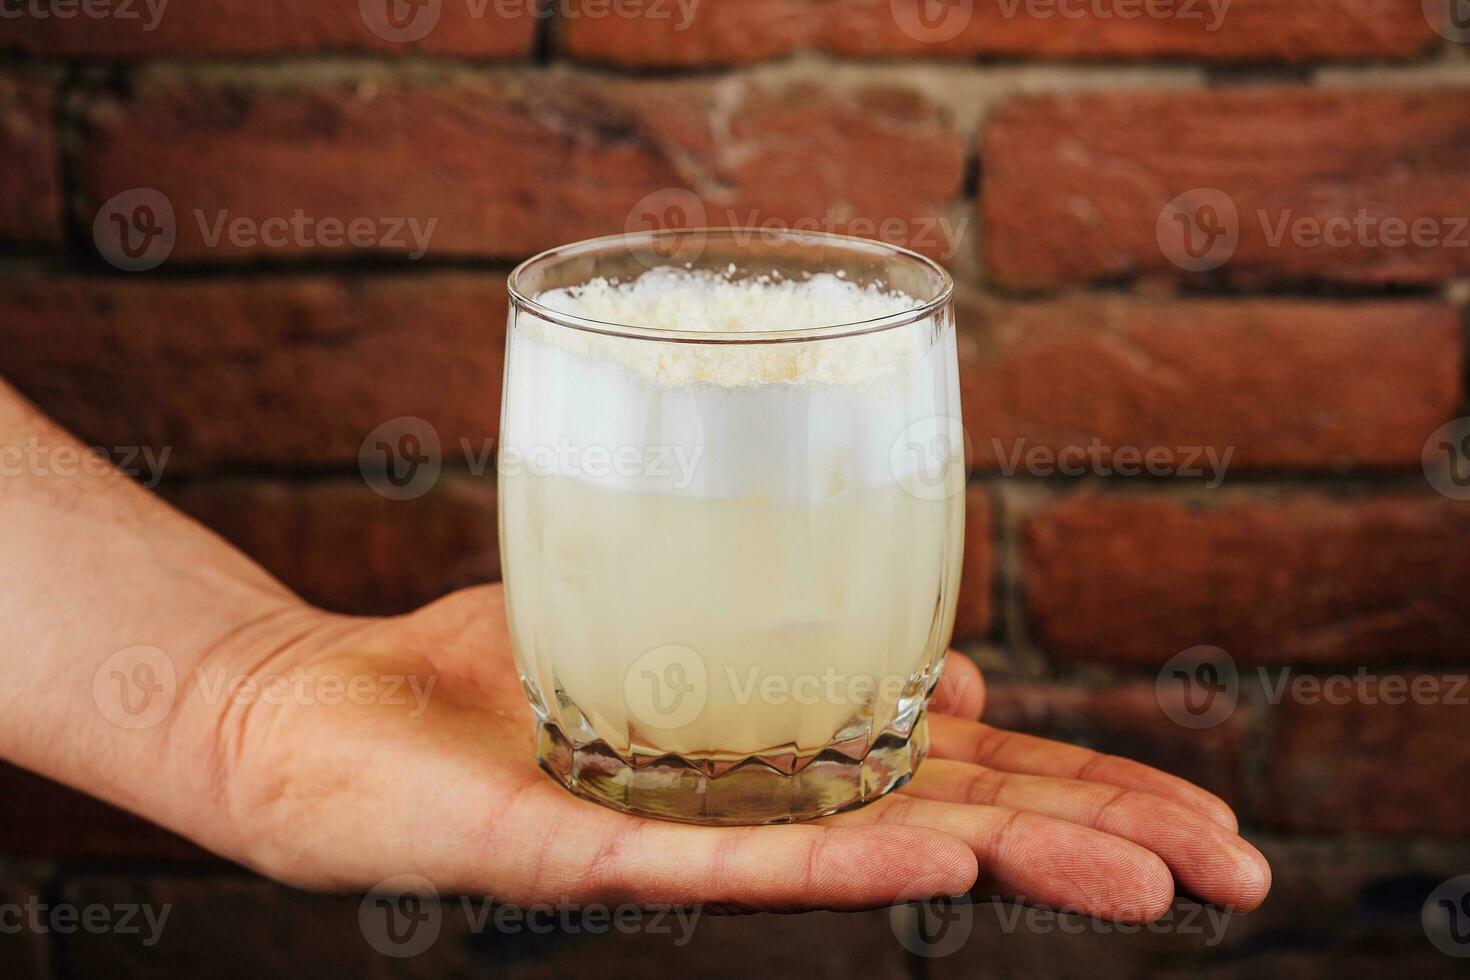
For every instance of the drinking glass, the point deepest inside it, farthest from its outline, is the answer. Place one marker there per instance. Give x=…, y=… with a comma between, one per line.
x=731, y=558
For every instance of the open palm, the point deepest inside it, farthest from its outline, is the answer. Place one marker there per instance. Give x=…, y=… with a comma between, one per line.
x=346, y=796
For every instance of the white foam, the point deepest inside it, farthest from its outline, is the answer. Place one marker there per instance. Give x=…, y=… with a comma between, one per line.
x=789, y=422
x=706, y=302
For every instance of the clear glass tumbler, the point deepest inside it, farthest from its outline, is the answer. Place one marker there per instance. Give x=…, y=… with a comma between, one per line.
x=731, y=558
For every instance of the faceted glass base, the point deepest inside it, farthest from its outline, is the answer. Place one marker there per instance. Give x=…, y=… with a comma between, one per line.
x=754, y=790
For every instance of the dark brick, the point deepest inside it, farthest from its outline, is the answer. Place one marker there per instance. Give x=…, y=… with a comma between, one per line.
x=1296, y=578
x=473, y=154
x=1128, y=721
x=279, y=371
x=1260, y=380
x=221, y=28
x=1369, y=765
x=30, y=192
x=341, y=545
x=732, y=31
x=1075, y=186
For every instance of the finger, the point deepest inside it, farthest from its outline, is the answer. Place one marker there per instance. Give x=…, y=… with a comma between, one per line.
x=455, y=631
x=590, y=853
x=960, y=692
x=1038, y=859
x=981, y=744
x=1209, y=861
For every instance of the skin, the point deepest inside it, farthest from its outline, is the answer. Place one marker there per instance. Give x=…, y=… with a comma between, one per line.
x=339, y=796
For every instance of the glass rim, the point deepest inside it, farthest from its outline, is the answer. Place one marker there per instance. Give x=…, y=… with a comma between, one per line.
x=521, y=299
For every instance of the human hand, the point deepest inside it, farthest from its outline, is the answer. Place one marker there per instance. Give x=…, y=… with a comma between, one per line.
x=345, y=796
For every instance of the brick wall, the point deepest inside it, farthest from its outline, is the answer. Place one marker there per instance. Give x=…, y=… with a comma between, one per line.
x=1225, y=244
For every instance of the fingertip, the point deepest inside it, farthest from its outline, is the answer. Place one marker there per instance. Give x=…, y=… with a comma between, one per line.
x=960, y=692
x=1256, y=879
x=1155, y=890
x=918, y=864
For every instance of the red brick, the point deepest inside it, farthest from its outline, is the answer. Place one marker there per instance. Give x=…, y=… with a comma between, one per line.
x=40, y=818
x=1291, y=578
x=284, y=371
x=222, y=28
x=1074, y=186
x=976, y=582
x=30, y=196
x=1263, y=379
x=1129, y=721
x=1372, y=766
x=508, y=164
x=735, y=31
x=339, y=544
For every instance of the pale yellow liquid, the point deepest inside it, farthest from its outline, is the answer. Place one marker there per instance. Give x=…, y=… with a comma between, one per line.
x=811, y=621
